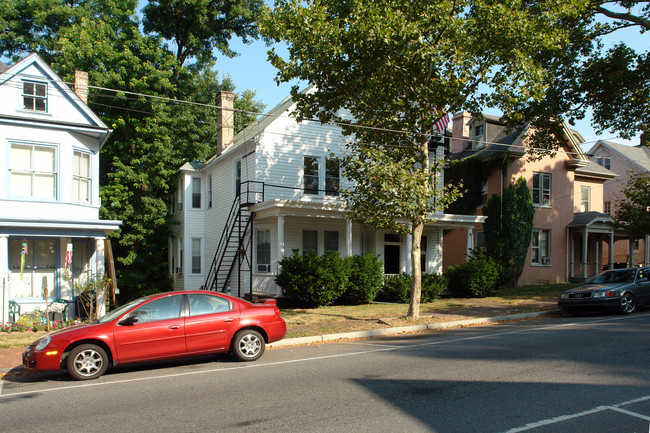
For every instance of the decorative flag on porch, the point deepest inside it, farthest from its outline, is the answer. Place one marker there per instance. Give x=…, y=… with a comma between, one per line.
x=68, y=257
x=23, y=253
x=441, y=124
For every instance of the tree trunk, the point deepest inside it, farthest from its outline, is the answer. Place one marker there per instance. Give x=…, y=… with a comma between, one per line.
x=416, y=273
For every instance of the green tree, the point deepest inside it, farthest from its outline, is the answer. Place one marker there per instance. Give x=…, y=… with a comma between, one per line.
x=633, y=213
x=613, y=83
x=508, y=229
x=151, y=137
x=396, y=67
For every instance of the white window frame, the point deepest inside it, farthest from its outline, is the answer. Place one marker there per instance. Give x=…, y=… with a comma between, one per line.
x=311, y=191
x=541, y=190
x=32, y=172
x=479, y=138
x=585, y=198
x=199, y=257
x=78, y=177
x=332, y=192
x=262, y=267
x=607, y=207
x=196, y=184
x=34, y=96
x=537, y=256
x=209, y=191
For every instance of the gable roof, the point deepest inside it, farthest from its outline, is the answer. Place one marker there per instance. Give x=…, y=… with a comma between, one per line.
x=638, y=156
x=34, y=64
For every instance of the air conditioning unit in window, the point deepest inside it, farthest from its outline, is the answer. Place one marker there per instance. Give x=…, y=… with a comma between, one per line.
x=546, y=260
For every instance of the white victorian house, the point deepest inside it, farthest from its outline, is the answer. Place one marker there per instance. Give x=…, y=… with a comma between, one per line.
x=49, y=187
x=270, y=190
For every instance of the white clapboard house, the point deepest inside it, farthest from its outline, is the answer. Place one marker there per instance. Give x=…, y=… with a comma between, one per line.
x=270, y=190
x=49, y=188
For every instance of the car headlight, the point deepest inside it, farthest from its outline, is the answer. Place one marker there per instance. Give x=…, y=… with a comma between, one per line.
x=43, y=343
x=605, y=294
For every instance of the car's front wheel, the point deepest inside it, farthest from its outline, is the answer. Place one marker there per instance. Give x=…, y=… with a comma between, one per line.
x=87, y=362
x=627, y=304
x=248, y=345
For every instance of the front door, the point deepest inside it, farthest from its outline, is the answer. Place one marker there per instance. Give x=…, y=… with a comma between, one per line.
x=391, y=259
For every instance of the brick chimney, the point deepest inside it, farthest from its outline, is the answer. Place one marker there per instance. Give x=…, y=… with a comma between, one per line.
x=226, y=119
x=460, y=132
x=81, y=85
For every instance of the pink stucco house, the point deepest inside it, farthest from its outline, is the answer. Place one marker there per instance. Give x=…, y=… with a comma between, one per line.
x=626, y=161
x=570, y=230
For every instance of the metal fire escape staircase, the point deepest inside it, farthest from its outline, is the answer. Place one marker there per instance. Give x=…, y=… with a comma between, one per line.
x=234, y=250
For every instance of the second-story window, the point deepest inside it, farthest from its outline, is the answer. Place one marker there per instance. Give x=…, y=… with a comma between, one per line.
x=585, y=195
x=35, y=96
x=210, y=191
x=607, y=207
x=33, y=171
x=542, y=189
x=604, y=162
x=310, y=175
x=81, y=181
x=332, y=176
x=196, y=193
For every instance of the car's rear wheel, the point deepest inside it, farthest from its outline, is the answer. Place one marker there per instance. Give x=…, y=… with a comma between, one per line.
x=87, y=362
x=627, y=304
x=248, y=345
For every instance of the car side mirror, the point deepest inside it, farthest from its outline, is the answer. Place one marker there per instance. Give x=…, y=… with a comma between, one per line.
x=128, y=321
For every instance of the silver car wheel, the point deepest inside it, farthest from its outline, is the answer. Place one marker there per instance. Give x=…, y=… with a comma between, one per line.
x=628, y=304
x=87, y=362
x=248, y=345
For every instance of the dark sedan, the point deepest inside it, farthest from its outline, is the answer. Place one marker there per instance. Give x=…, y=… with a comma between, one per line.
x=621, y=289
x=162, y=326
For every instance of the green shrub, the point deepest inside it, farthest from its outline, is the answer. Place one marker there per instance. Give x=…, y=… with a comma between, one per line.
x=312, y=281
x=365, y=279
x=432, y=286
x=474, y=278
x=396, y=288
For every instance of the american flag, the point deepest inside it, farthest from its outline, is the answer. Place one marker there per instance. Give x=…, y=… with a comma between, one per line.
x=441, y=124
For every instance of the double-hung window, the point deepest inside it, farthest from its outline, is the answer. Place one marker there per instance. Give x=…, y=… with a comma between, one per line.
x=332, y=177
x=33, y=171
x=310, y=175
x=263, y=246
x=331, y=240
x=81, y=181
x=35, y=96
x=309, y=241
x=542, y=189
x=196, y=256
x=585, y=195
x=196, y=193
x=541, y=247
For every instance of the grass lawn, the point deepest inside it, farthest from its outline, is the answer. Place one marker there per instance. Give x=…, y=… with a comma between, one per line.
x=325, y=320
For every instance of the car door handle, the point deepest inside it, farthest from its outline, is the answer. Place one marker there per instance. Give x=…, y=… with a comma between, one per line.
x=227, y=320
x=175, y=327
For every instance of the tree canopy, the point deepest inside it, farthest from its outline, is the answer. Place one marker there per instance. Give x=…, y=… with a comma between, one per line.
x=396, y=67
x=152, y=137
x=633, y=213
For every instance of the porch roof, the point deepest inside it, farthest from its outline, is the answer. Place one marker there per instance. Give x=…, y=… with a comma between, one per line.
x=588, y=219
x=337, y=209
x=57, y=228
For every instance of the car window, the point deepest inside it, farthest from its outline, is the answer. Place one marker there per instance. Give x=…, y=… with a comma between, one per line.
x=208, y=304
x=615, y=276
x=643, y=275
x=160, y=309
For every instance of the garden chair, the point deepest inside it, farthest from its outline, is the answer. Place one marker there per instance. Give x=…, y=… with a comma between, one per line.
x=14, y=309
x=58, y=306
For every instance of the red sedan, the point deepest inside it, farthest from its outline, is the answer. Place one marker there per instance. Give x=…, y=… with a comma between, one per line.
x=162, y=326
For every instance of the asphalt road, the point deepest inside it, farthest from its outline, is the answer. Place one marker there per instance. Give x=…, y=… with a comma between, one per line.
x=588, y=374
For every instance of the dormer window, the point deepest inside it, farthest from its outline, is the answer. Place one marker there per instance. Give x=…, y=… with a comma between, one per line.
x=35, y=96
x=479, y=136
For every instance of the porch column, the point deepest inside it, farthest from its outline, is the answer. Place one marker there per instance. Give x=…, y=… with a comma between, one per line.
x=4, y=279
x=646, y=250
x=596, y=270
x=348, y=238
x=470, y=241
x=409, y=244
x=611, y=250
x=585, y=256
x=573, y=255
x=98, y=272
x=280, y=240
x=631, y=244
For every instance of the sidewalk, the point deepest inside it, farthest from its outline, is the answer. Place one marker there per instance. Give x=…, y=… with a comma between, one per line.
x=11, y=359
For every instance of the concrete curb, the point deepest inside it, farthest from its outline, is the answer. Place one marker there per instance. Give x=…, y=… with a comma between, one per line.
x=403, y=329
